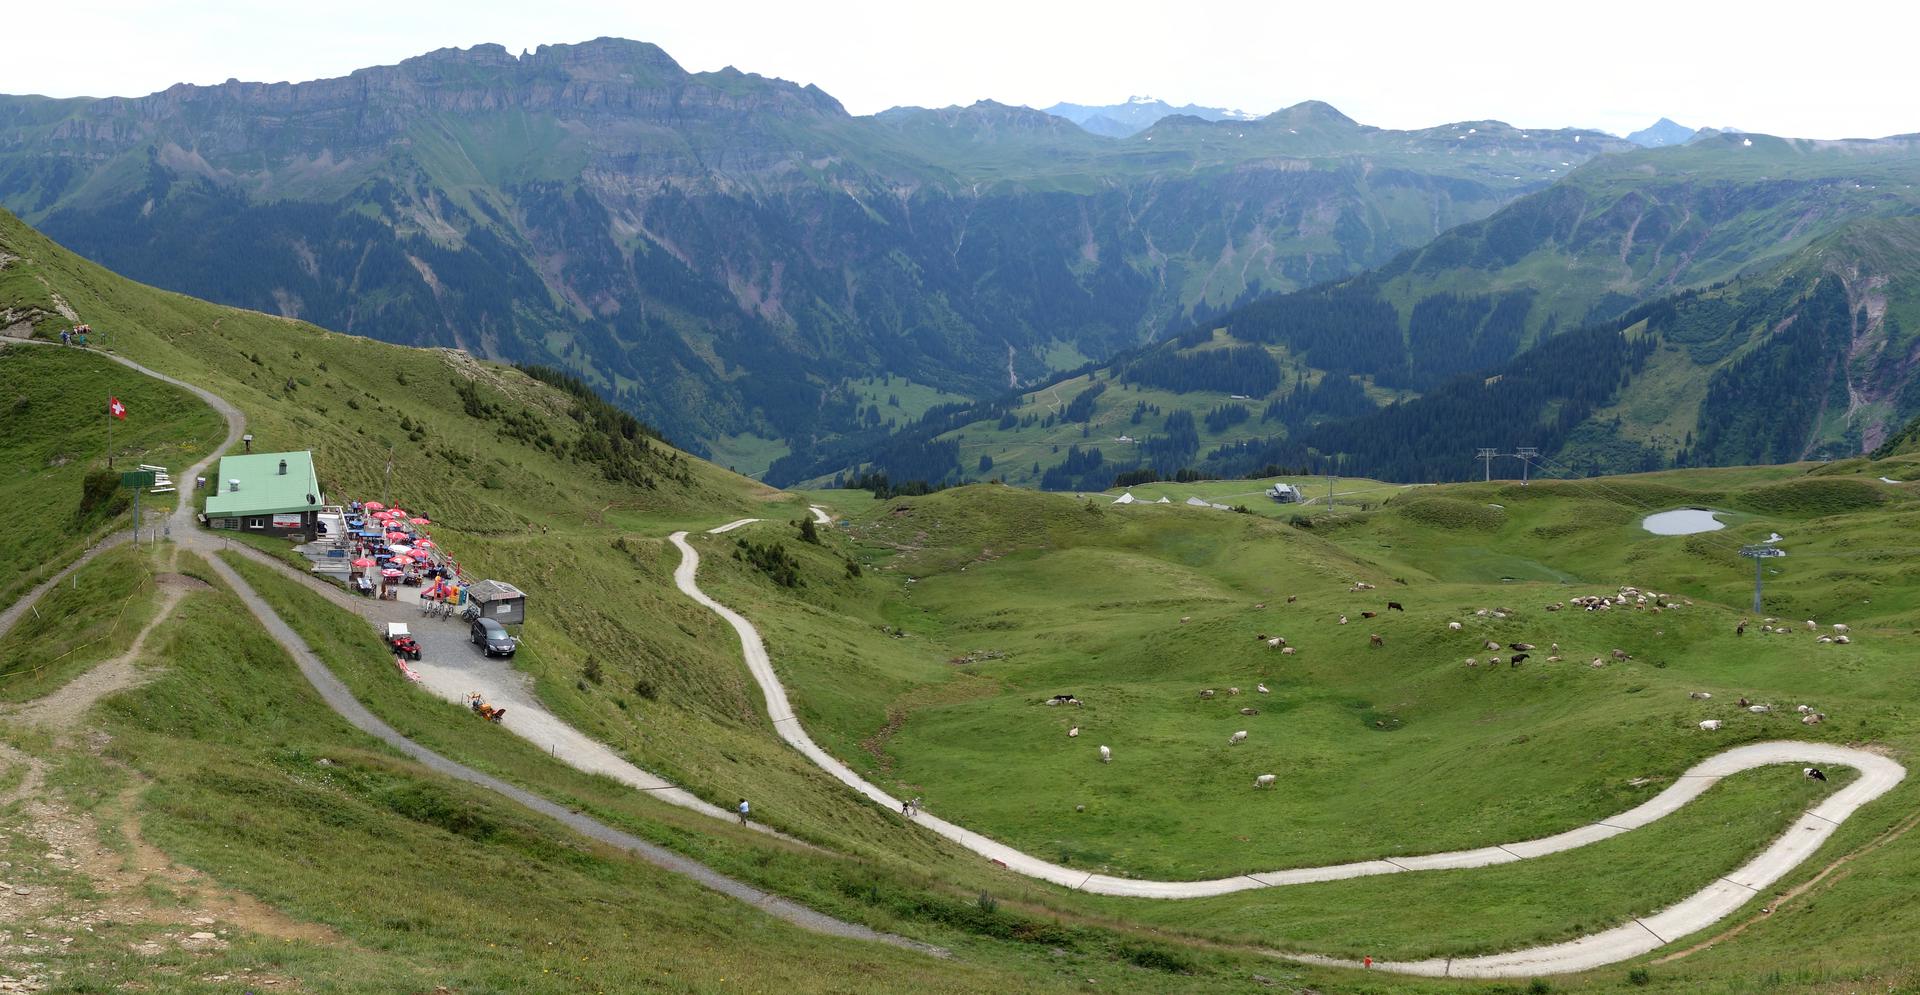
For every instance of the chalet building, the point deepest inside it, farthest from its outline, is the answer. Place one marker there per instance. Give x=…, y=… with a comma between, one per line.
x=267, y=493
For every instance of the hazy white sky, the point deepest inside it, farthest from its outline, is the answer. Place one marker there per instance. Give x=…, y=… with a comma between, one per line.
x=1823, y=70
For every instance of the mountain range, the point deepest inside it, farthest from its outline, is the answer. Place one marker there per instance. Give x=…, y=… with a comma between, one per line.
x=936, y=293
x=733, y=257
x=1739, y=299
x=1138, y=114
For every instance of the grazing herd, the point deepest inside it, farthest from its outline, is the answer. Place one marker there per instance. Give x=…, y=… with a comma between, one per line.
x=1628, y=597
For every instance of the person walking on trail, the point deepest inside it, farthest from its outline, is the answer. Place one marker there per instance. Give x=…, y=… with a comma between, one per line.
x=744, y=811
x=66, y=336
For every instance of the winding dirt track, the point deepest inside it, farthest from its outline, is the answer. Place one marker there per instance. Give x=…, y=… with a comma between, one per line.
x=1878, y=775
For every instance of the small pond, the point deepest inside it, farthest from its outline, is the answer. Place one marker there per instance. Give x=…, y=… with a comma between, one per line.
x=1682, y=522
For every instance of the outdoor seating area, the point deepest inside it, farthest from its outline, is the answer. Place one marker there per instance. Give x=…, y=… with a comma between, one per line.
x=391, y=549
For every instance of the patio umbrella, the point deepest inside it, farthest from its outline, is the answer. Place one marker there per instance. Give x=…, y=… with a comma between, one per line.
x=396, y=512
x=425, y=544
x=373, y=506
x=363, y=562
x=419, y=521
x=389, y=572
x=399, y=550
x=404, y=560
x=397, y=536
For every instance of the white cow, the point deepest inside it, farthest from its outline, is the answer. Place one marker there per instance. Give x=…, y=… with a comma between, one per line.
x=1073, y=733
x=1262, y=688
x=1237, y=738
x=1264, y=781
x=1106, y=755
x=1455, y=626
x=1710, y=725
x=1841, y=627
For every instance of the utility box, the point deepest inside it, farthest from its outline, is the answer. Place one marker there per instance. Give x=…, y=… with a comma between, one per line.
x=500, y=601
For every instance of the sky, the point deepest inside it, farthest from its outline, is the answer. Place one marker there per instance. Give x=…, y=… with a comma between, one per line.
x=1814, y=71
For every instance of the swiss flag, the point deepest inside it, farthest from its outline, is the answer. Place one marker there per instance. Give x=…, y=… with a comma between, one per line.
x=116, y=409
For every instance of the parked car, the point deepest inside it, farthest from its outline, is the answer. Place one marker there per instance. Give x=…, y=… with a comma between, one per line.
x=492, y=638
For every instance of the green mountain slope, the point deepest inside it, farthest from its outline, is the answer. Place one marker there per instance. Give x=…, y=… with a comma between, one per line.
x=1724, y=240
x=722, y=252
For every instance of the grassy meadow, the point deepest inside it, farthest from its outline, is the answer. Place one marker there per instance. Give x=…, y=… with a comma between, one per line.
x=53, y=432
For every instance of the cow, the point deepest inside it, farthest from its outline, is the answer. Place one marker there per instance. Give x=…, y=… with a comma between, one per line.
x=1523, y=647
x=1455, y=626
x=1208, y=693
x=1264, y=781
x=1620, y=654
x=1262, y=688
x=1368, y=614
x=1286, y=650
x=1517, y=659
x=1700, y=695
x=1276, y=642
x=1106, y=755
x=1813, y=773
x=1374, y=640
x=1233, y=692
x=1841, y=628
x=1492, y=645
x=1710, y=725
x=1394, y=606
x=1249, y=711
x=1073, y=733
x=1471, y=662
x=1343, y=620
x=1291, y=598
x=1237, y=738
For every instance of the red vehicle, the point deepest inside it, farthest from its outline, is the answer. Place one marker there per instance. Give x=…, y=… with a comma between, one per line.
x=402, y=641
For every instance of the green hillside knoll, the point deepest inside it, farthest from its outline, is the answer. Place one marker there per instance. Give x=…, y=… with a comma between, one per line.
x=53, y=433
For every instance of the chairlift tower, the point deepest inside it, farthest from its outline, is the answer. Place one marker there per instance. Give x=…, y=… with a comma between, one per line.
x=1527, y=455
x=1486, y=457
x=1760, y=554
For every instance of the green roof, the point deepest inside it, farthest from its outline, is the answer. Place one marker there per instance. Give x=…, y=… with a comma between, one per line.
x=264, y=490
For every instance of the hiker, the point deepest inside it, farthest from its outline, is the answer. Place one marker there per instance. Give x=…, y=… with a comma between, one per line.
x=744, y=811
x=906, y=807
x=66, y=336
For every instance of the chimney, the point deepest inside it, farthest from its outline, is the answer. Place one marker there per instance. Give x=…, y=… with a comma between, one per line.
x=233, y=485
x=283, y=468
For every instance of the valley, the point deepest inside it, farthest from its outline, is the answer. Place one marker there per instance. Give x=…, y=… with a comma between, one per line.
x=952, y=549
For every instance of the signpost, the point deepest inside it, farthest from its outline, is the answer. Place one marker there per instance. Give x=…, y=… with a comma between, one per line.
x=139, y=480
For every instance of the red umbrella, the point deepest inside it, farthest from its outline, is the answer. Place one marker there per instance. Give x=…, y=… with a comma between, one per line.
x=389, y=573
x=373, y=506
x=396, y=536
x=404, y=560
x=363, y=562
x=397, y=513
x=419, y=521
x=425, y=544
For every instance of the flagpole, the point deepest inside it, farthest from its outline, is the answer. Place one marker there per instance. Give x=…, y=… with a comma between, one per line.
x=109, y=430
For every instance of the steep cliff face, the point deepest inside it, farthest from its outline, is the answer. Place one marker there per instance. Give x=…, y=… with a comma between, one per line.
x=720, y=250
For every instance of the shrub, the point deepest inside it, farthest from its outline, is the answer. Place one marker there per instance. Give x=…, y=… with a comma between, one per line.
x=101, y=496
x=1639, y=976
x=1156, y=958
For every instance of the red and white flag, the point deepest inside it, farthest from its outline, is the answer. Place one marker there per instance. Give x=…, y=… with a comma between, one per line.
x=116, y=409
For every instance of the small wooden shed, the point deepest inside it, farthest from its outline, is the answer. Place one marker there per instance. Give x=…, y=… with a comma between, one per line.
x=500, y=601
